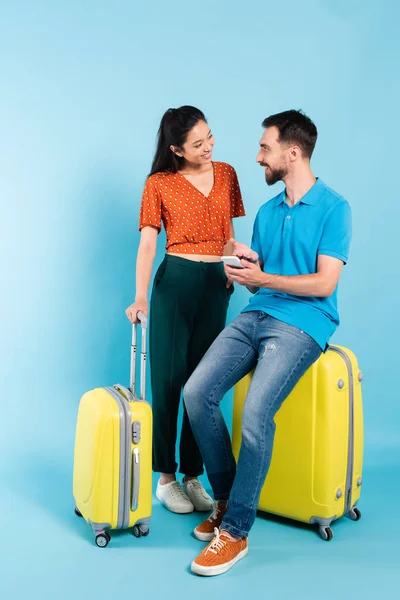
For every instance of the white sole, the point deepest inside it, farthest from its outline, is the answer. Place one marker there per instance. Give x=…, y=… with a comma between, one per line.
x=203, y=537
x=178, y=511
x=211, y=571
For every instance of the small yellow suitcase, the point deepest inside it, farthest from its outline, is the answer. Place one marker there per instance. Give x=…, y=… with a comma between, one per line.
x=316, y=468
x=112, y=483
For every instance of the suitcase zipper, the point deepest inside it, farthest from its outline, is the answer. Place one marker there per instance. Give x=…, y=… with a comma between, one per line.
x=350, y=458
x=125, y=458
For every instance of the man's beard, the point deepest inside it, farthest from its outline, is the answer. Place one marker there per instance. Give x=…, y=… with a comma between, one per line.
x=272, y=176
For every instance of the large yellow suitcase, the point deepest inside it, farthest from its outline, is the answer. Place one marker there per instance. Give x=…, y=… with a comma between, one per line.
x=112, y=460
x=316, y=469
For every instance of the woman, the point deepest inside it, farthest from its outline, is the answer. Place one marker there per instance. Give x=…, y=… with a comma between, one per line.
x=196, y=200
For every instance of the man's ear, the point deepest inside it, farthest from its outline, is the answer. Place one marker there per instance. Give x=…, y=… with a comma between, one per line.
x=295, y=153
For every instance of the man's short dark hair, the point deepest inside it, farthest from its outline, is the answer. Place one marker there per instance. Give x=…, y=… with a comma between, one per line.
x=294, y=128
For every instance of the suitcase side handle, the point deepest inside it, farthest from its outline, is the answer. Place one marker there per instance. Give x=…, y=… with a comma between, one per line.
x=143, y=356
x=135, y=478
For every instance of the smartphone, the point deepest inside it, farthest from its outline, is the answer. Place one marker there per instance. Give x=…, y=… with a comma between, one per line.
x=232, y=261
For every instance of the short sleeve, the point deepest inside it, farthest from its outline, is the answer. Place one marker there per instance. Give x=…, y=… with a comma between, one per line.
x=150, y=207
x=337, y=232
x=236, y=202
x=256, y=239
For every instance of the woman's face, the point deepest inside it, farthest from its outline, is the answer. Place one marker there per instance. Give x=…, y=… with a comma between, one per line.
x=198, y=146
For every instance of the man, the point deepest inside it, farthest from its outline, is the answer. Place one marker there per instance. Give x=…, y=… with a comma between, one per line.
x=300, y=242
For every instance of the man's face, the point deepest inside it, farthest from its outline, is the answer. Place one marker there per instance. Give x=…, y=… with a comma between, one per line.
x=273, y=156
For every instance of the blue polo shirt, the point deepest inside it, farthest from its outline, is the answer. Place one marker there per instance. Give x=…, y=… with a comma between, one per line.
x=288, y=241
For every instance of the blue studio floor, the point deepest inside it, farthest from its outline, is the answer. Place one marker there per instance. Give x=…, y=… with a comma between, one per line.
x=47, y=552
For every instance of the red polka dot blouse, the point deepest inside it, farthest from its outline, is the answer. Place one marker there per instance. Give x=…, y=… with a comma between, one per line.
x=194, y=223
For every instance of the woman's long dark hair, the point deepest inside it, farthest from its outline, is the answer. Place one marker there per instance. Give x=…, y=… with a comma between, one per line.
x=174, y=128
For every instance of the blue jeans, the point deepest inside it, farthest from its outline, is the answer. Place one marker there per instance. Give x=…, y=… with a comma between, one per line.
x=280, y=354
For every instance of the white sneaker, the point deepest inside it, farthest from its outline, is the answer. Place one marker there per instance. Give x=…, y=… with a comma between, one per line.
x=195, y=491
x=174, y=498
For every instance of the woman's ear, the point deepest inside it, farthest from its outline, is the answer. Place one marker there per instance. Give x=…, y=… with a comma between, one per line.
x=176, y=151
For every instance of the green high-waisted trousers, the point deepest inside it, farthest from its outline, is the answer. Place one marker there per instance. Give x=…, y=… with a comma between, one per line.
x=188, y=309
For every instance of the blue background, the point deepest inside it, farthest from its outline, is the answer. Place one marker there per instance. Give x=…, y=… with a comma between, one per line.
x=83, y=86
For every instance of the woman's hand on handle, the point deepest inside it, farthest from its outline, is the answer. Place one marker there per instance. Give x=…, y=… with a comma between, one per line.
x=132, y=310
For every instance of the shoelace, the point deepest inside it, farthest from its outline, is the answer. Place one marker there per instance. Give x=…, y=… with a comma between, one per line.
x=214, y=514
x=217, y=544
x=198, y=488
x=177, y=492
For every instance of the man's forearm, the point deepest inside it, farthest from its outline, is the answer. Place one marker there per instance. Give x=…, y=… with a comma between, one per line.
x=313, y=285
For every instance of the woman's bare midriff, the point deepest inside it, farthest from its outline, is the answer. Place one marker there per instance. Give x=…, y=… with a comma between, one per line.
x=197, y=257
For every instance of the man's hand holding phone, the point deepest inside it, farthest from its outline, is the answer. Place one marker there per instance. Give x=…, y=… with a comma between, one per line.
x=242, y=267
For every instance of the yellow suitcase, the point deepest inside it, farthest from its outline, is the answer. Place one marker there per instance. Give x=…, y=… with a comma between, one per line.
x=316, y=469
x=112, y=483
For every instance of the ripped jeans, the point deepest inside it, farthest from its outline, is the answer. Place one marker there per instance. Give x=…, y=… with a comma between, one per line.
x=280, y=354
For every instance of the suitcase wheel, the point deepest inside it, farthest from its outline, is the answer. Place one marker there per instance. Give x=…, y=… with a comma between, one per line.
x=140, y=531
x=326, y=533
x=354, y=514
x=102, y=539
x=78, y=512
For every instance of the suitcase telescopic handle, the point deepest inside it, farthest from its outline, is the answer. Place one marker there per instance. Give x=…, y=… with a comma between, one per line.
x=143, y=356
